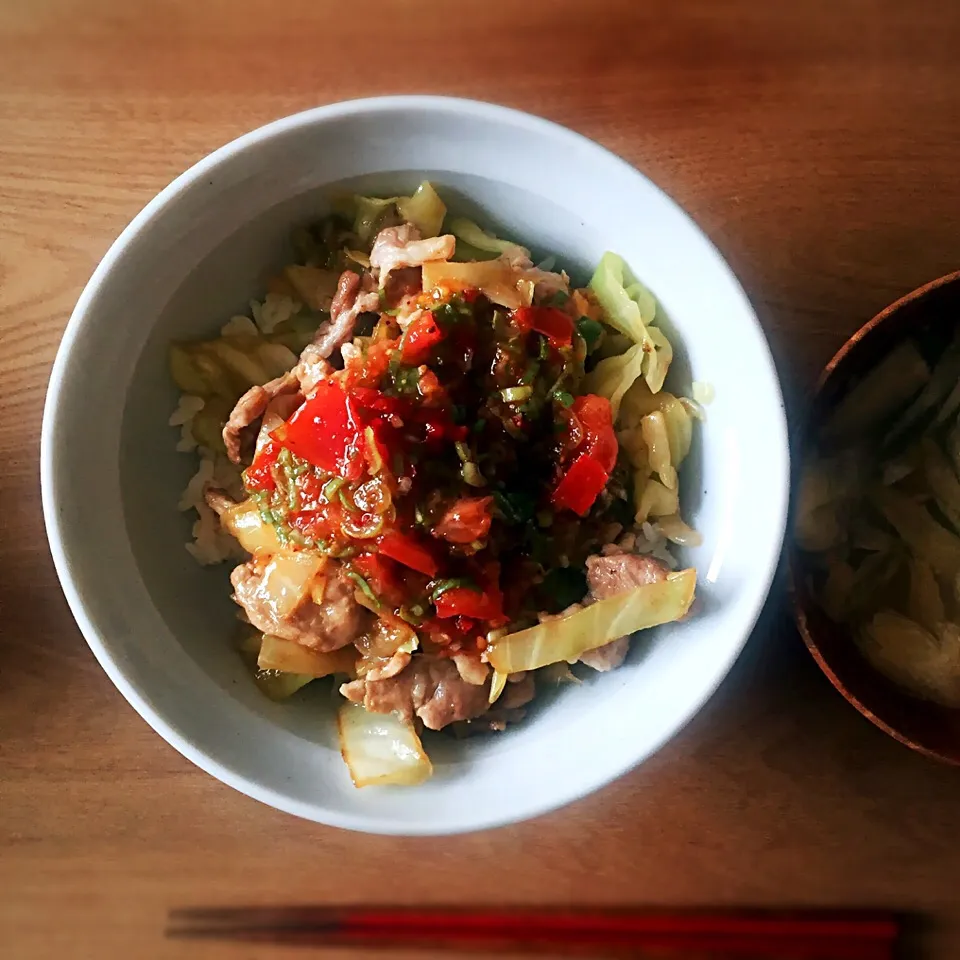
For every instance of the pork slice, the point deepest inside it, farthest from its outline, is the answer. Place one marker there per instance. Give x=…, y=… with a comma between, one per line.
x=619, y=572
x=324, y=627
x=398, y=247
x=219, y=501
x=429, y=688
x=608, y=657
x=251, y=407
x=311, y=369
x=607, y=576
x=355, y=295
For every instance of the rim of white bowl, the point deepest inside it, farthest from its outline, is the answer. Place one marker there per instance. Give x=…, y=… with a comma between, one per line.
x=48, y=457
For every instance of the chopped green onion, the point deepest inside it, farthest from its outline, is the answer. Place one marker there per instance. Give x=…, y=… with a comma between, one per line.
x=530, y=374
x=558, y=299
x=440, y=587
x=479, y=426
x=347, y=503
x=564, y=398
x=463, y=451
x=544, y=348
x=406, y=613
x=472, y=475
x=331, y=487
x=516, y=394
x=376, y=461
x=365, y=587
x=417, y=609
x=590, y=330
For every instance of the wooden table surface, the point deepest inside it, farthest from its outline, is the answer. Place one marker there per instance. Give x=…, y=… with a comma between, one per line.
x=817, y=143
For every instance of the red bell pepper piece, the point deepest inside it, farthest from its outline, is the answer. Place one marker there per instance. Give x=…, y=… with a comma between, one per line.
x=465, y=602
x=596, y=417
x=259, y=475
x=421, y=337
x=327, y=431
x=409, y=551
x=554, y=324
x=580, y=485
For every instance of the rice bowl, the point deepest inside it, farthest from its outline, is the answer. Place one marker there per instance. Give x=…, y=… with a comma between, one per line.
x=110, y=490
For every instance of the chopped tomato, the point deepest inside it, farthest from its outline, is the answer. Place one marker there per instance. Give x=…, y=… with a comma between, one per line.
x=369, y=399
x=311, y=523
x=580, y=485
x=464, y=602
x=326, y=431
x=554, y=324
x=259, y=475
x=596, y=418
x=465, y=520
x=421, y=337
x=410, y=551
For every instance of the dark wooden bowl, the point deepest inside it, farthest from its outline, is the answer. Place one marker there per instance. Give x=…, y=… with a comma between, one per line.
x=925, y=727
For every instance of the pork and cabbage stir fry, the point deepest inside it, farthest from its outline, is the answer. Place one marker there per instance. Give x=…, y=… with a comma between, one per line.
x=448, y=474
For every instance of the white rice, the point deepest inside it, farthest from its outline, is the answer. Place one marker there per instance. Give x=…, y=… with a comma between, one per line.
x=276, y=308
x=188, y=407
x=211, y=544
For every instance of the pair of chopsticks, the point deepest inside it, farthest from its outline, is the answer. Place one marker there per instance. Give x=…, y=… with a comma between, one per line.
x=784, y=935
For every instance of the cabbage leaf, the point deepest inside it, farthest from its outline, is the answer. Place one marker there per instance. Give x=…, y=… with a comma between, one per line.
x=479, y=239
x=613, y=377
x=593, y=626
x=381, y=748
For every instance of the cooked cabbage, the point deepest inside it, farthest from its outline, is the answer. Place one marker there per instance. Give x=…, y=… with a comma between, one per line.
x=631, y=310
x=937, y=391
x=678, y=532
x=658, y=360
x=274, y=684
x=628, y=314
x=653, y=429
x=288, y=579
x=380, y=748
x=924, y=662
x=497, y=684
x=653, y=499
x=497, y=280
x=594, y=625
x=315, y=287
x=943, y=481
x=924, y=603
x=884, y=390
x=425, y=210
x=925, y=537
x=254, y=534
x=290, y=657
x=470, y=233
x=613, y=377
x=228, y=366
x=639, y=401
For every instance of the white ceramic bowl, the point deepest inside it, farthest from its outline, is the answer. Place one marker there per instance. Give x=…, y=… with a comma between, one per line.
x=196, y=254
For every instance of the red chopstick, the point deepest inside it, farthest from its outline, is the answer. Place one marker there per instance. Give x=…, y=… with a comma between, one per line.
x=785, y=935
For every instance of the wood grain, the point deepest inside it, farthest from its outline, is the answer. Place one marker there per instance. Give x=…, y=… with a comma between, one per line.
x=817, y=143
